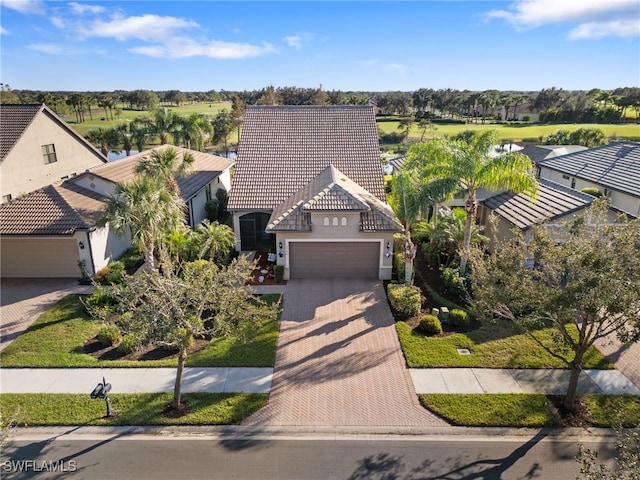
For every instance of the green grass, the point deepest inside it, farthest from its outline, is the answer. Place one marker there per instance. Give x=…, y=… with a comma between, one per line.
x=500, y=410
x=516, y=133
x=56, y=339
x=493, y=345
x=529, y=410
x=131, y=409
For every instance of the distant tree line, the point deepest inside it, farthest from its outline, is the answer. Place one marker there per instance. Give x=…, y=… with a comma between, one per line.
x=554, y=105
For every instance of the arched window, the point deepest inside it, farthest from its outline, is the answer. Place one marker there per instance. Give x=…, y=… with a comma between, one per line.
x=335, y=221
x=326, y=221
x=343, y=221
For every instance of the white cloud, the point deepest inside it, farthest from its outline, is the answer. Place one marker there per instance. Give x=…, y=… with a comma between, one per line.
x=58, y=22
x=3, y=31
x=368, y=63
x=396, y=67
x=145, y=27
x=595, y=18
x=621, y=28
x=294, y=41
x=82, y=8
x=182, y=47
x=25, y=6
x=49, y=48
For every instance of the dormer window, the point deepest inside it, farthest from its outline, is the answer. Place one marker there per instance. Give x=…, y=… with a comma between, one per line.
x=49, y=153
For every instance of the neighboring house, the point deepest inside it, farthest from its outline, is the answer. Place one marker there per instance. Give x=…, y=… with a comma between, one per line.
x=538, y=153
x=308, y=187
x=47, y=233
x=613, y=169
x=554, y=205
x=38, y=148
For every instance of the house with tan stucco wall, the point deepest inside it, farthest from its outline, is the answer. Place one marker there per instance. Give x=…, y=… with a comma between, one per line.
x=38, y=148
x=308, y=188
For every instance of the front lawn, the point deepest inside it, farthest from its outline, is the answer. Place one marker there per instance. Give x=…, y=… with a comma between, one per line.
x=58, y=337
x=492, y=345
x=532, y=410
x=131, y=409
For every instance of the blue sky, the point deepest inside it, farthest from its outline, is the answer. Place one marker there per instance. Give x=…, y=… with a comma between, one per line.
x=360, y=45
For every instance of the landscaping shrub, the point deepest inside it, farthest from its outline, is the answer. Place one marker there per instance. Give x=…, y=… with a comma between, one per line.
x=109, y=335
x=404, y=300
x=459, y=318
x=278, y=273
x=452, y=281
x=593, y=191
x=398, y=265
x=430, y=325
x=132, y=259
x=128, y=344
x=99, y=304
x=112, y=273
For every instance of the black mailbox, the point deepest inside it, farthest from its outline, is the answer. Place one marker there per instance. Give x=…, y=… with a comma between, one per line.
x=102, y=391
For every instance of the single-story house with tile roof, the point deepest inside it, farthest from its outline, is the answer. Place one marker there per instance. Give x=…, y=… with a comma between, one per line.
x=554, y=205
x=47, y=233
x=308, y=187
x=614, y=169
x=38, y=148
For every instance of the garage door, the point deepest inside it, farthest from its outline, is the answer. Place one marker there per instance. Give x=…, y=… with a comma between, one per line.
x=334, y=259
x=39, y=258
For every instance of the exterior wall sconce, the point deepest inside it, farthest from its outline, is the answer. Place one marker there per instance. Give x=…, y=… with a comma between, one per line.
x=280, y=252
x=81, y=245
x=388, y=245
x=280, y=245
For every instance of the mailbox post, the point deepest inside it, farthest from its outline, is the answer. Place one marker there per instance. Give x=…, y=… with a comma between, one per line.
x=102, y=391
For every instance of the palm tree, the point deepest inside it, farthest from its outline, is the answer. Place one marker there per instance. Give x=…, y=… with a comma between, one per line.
x=451, y=166
x=145, y=210
x=163, y=123
x=193, y=131
x=104, y=139
x=164, y=165
x=214, y=238
x=408, y=201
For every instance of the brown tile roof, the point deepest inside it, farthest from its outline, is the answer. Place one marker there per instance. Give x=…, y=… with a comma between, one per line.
x=553, y=201
x=58, y=209
x=15, y=118
x=282, y=148
x=206, y=168
x=332, y=191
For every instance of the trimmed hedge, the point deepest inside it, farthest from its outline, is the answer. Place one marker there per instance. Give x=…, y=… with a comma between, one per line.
x=459, y=318
x=430, y=325
x=403, y=299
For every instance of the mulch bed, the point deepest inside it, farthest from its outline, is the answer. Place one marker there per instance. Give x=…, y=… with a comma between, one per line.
x=151, y=352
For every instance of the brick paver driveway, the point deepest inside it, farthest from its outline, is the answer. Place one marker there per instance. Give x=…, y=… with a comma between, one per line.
x=339, y=361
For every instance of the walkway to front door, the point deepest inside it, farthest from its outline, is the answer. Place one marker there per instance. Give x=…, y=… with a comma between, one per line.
x=339, y=361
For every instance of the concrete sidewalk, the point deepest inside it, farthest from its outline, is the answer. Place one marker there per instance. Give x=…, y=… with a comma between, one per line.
x=544, y=381
x=135, y=380
x=258, y=380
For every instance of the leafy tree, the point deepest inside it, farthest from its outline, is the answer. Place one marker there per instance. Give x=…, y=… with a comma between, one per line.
x=462, y=165
x=145, y=210
x=588, y=137
x=164, y=165
x=627, y=459
x=405, y=126
x=177, y=305
x=223, y=125
x=581, y=280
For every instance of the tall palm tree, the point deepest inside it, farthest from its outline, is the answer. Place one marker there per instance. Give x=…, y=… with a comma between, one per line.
x=409, y=200
x=164, y=165
x=104, y=139
x=451, y=166
x=193, y=131
x=162, y=124
x=145, y=210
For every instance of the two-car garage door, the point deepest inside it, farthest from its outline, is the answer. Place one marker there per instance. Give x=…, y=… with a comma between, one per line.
x=334, y=259
x=39, y=258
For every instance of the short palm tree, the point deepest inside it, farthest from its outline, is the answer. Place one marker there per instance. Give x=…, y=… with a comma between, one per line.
x=462, y=165
x=145, y=210
x=164, y=165
x=214, y=238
